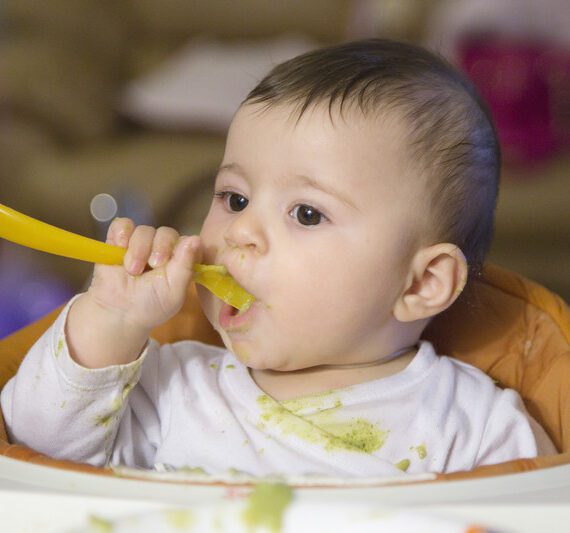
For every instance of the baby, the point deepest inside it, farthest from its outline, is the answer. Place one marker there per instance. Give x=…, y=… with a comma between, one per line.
x=354, y=200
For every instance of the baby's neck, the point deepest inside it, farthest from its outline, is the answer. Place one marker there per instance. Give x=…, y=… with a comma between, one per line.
x=309, y=381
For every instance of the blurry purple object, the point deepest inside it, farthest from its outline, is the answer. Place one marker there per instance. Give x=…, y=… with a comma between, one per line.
x=527, y=87
x=26, y=293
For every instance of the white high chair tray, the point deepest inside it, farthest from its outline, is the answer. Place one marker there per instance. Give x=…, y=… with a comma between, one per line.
x=30, y=512
x=62, y=500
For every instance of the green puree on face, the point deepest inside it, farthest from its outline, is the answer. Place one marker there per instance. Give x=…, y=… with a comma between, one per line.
x=266, y=505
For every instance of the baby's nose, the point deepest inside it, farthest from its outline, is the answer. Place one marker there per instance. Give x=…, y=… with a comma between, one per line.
x=246, y=231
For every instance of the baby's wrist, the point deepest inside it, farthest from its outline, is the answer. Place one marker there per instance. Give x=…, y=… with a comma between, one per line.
x=114, y=318
x=98, y=336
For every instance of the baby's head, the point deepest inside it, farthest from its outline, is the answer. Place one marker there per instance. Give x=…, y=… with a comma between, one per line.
x=357, y=191
x=449, y=140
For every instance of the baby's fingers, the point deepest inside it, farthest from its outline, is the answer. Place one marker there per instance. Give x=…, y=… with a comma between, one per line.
x=180, y=268
x=165, y=240
x=120, y=231
x=140, y=246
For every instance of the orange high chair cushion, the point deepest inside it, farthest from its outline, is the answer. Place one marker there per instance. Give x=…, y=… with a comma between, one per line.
x=511, y=328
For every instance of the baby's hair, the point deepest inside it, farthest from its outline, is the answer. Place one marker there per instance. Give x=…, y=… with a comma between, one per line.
x=450, y=135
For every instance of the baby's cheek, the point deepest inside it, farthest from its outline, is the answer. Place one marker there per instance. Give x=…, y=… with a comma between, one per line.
x=299, y=321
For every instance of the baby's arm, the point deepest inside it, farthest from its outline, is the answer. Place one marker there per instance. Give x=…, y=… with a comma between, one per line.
x=70, y=394
x=66, y=411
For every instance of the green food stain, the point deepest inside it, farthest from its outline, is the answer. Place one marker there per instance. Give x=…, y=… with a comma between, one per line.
x=356, y=435
x=100, y=525
x=126, y=389
x=193, y=470
x=420, y=450
x=119, y=400
x=63, y=404
x=60, y=344
x=117, y=403
x=403, y=465
x=214, y=366
x=104, y=420
x=179, y=519
x=266, y=505
x=230, y=367
x=236, y=472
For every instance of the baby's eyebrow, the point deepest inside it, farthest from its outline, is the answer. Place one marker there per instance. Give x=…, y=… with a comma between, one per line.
x=326, y=188
x=232, y=167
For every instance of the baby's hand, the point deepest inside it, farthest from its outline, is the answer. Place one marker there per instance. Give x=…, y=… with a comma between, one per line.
x=110, y=324
x=152, y=284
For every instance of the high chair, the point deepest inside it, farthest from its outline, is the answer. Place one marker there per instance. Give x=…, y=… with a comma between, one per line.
x=511, y=328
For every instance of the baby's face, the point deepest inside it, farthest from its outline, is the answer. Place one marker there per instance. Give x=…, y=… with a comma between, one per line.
x=313, y=218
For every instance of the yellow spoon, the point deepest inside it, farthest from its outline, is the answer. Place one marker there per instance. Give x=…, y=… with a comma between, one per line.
x=28, y=231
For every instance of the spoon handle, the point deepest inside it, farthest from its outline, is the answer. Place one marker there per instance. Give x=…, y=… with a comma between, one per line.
x=28, y=231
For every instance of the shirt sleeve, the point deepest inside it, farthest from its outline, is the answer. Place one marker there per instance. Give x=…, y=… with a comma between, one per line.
x=510, y=433
x=66, y=411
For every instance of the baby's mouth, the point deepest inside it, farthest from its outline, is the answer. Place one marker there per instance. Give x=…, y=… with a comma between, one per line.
x=217, y=279
x=231, y=318
x=234, y=311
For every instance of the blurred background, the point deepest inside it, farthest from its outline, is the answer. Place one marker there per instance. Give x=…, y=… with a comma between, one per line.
x=119, y=107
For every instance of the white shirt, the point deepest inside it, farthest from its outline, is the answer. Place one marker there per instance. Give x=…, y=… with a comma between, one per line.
x=193, y=405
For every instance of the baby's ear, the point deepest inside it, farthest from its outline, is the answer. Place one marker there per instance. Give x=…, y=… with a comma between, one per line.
x=436, y=278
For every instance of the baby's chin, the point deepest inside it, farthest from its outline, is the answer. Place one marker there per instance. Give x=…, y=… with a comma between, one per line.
x=254, y=362
x=242, y=352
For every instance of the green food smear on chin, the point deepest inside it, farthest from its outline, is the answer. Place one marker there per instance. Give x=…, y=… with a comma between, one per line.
x=266, y=505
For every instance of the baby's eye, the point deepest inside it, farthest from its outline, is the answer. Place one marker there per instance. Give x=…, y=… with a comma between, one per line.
x=233, y=200
x=307, y=215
